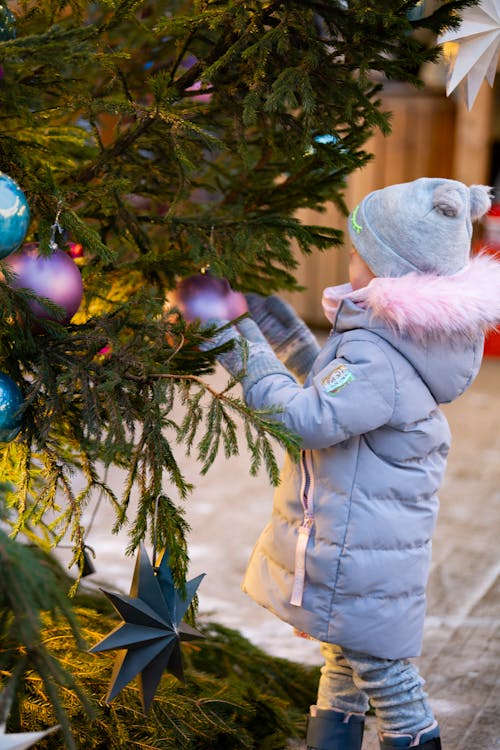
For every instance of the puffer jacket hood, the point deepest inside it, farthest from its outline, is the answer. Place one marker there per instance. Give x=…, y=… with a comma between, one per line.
x=425, y=311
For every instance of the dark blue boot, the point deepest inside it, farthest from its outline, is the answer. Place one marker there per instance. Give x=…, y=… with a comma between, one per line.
x=334, y=730
x=426, y=740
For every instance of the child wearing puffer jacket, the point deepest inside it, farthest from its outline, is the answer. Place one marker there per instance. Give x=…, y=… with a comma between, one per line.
x=345, y=557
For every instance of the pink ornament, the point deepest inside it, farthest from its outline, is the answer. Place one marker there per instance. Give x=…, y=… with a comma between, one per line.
x=204, y=98
x=54, y=276
x=104, y=354
x=204, y=297
x=187, y=64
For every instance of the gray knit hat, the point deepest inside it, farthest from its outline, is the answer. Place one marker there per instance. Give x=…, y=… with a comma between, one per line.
x=424, y=226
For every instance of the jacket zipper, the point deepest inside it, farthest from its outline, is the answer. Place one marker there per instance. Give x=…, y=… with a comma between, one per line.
x=304, y=530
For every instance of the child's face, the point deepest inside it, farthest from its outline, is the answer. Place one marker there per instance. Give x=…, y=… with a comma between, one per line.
x=359, y=273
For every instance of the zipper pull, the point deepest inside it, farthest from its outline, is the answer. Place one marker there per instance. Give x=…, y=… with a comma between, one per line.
x=303, y=534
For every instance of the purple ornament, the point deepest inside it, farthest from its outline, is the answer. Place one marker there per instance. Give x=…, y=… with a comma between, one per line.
x=186, y=64
x=203, y=98
x=54, y=276
x=204, y=297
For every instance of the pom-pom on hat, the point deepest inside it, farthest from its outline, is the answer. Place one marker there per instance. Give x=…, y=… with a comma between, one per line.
x=424, y=226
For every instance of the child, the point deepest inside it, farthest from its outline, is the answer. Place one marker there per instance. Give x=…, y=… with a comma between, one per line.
x=346, y=555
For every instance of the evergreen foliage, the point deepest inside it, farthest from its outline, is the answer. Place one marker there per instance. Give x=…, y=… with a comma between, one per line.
x=33, y=598
x=235, y=695
x=165, y=136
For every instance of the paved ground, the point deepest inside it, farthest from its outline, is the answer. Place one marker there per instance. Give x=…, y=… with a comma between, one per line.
x=461, y=659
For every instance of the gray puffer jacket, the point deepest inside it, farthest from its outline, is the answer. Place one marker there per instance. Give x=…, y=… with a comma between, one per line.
x=346, y=555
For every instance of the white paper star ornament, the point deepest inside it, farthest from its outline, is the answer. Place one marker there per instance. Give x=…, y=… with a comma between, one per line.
x=474, y=48
x=22, y=740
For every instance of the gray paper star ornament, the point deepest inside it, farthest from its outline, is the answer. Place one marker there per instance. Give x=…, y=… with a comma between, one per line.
x=152, y=630
x=20, y=740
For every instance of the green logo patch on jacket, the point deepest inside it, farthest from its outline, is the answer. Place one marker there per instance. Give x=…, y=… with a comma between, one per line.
x=336, y=379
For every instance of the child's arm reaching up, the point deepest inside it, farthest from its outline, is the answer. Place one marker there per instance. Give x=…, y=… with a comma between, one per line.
x=289, y=336
x=353, y=394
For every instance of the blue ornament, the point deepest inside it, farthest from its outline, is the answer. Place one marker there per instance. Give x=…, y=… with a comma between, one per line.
x=418, y=11
x=11, y=400
x=14, y=215
x=7, y=24
x=328, y=138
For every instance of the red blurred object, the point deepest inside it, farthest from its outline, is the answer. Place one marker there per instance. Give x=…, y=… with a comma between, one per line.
x=75, y=250
x=492, y=344
x=490, y=244
x=205, y=297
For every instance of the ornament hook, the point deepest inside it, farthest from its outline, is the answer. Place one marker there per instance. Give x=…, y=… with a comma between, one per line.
x=155, y=523
x=56, y=227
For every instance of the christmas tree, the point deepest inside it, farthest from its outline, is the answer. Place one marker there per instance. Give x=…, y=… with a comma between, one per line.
x=147, y=142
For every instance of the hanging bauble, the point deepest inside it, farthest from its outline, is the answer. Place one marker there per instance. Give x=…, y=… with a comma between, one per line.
x=14, y=215
x=204, y=98
x=101, y=357
x=7, y=24
x=419, y=10
x=55, y=276
x=327, y=139
x=205, y=297
x=88, y=564
x=75, y=250
x=11, y=400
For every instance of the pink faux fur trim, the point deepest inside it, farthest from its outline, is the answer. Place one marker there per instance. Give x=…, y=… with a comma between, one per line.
x=423, y=305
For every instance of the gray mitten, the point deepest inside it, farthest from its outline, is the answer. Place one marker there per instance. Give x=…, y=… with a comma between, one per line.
x=251, y=352
x=287, y=333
